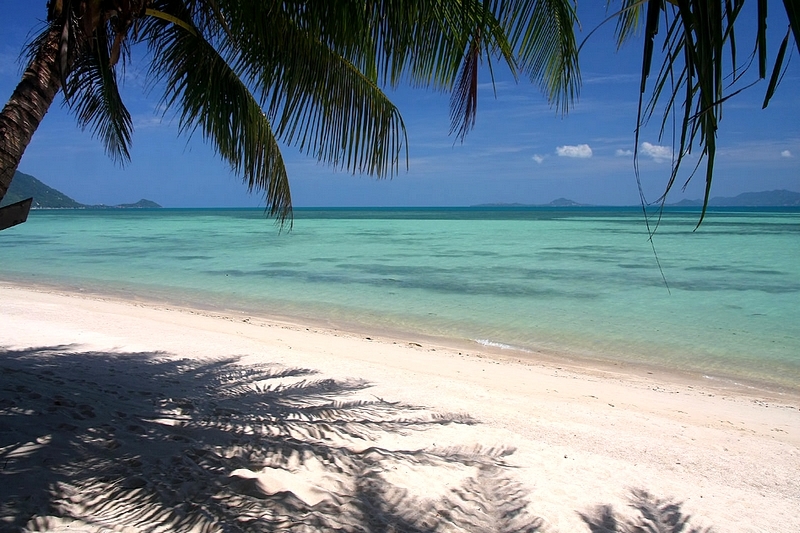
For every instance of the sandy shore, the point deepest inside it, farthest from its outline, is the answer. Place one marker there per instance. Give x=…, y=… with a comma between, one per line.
x=131, y=417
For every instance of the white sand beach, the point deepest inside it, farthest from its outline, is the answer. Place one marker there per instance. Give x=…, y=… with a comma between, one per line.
x=138, y=417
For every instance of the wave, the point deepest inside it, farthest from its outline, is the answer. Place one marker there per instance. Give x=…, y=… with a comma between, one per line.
x=502, y=346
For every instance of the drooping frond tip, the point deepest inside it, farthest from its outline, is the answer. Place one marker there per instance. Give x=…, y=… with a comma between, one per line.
x=464, y=98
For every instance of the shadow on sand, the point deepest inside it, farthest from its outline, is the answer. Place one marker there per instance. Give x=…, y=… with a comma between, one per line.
x=653, y=515
x=99, y=441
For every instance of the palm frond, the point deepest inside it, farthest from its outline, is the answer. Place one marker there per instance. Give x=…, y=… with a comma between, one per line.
x=209, y=96
x=422, y=41
x=542, y=35
x=464, y=99
x=426, y=42
x=487, y=38
x=761, y=38
x=75, y=34
x=776, y=71
x=793, y=13
x=170, y=18
x=629, y=19
x=93, y=95
x=314, y=97
x=699, y=33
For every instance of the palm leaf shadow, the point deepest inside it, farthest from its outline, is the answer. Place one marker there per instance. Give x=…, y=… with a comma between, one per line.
x=654, y=515
x=145, y=440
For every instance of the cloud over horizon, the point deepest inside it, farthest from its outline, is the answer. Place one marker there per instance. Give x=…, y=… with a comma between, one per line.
x=538, y=158
x=659, y=154
x=786, y=153
x=580, y=151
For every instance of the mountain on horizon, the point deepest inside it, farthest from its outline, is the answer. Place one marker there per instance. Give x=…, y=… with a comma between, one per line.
x=25, y=186
x=558, y=202
x=777, y=198
x=564, y=202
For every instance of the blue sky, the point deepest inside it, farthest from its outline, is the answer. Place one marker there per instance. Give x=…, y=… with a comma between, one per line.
x=521, y=150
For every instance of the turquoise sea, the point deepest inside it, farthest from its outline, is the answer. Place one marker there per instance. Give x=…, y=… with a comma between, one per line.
x=583, y=282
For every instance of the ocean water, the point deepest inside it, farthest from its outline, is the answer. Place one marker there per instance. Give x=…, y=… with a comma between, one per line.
x=583, y=283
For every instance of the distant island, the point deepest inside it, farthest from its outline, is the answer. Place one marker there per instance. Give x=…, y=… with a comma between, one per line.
x=558, y=202
x=141, y=204
x=778, y=198
x=26, y=186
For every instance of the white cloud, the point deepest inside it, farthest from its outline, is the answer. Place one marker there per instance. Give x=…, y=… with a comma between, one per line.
x=141, y=122
x=786, y=153
x=613, y=78
x=623, y=153
x=658, y=153
x=538, y=158
x=581, y=151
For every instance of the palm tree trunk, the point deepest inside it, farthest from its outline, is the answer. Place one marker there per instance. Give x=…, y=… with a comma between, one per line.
x=26, y=108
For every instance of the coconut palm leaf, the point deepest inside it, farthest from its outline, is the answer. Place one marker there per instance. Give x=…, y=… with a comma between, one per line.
x=421, y=41
x=793, y=13
x=361, y=46
x=208, y=95
x=315, y=98
x=441, y=45
x=319, y=84
x=94, y=97
x=464, y=99
x=776, y=71
x=629, y=19
x=699, y=32
x=542, y=37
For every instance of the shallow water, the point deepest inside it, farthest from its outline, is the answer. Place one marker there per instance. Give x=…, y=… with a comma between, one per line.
x=581, y=281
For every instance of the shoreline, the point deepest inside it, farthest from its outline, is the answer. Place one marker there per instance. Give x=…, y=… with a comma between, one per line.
x=557, y=358
x=116, y=410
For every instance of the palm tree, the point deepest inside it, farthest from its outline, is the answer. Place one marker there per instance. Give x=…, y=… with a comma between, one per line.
x=250, y=74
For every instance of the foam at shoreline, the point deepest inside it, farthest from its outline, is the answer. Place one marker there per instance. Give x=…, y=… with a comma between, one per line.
x=578, y=361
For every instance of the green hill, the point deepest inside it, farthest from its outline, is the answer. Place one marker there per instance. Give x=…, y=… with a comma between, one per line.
x=24, y=186
x=141, y=204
